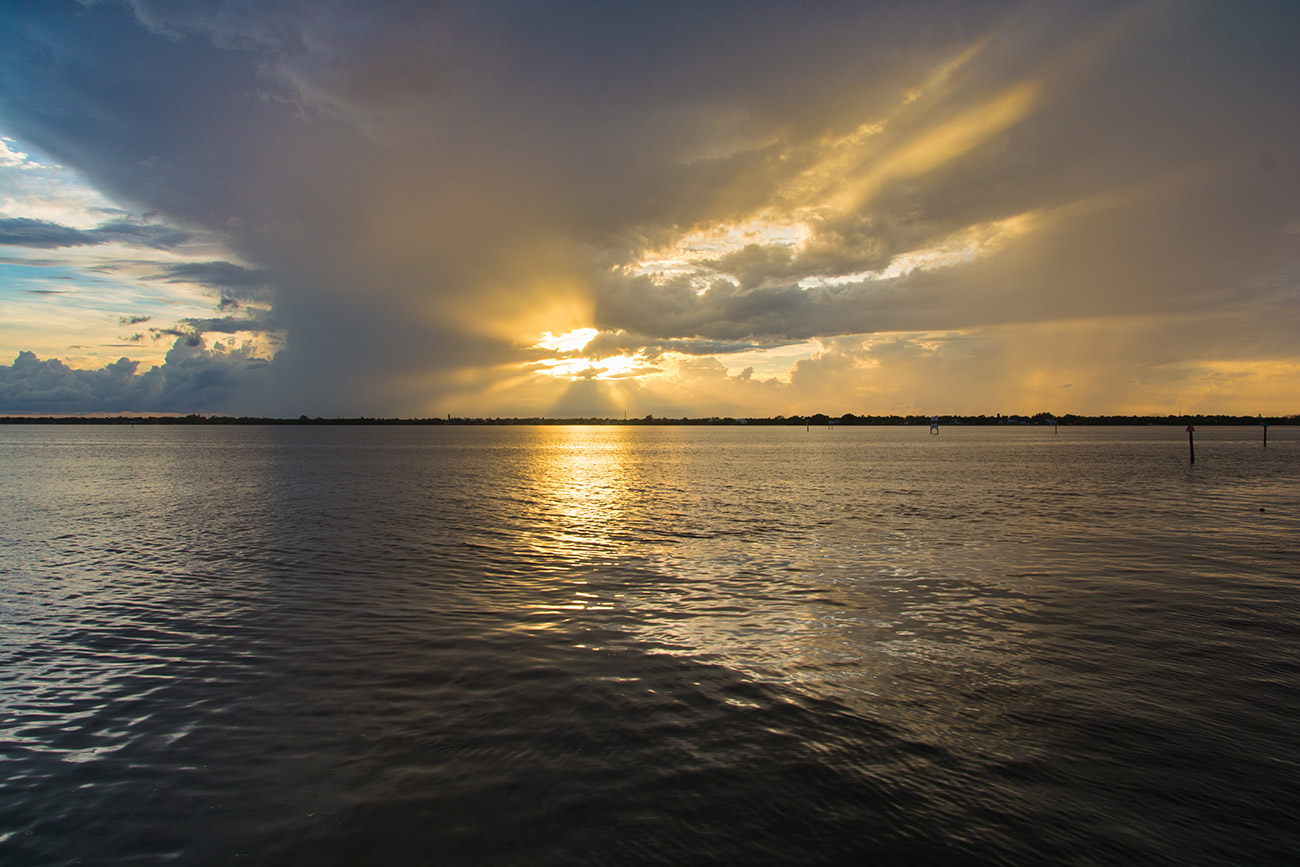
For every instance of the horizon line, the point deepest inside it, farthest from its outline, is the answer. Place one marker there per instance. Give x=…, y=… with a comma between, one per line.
x=821, y=419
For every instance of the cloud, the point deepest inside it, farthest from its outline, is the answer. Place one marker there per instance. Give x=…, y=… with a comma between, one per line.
x=253, y=320
x=610, y=343
x=417, y=192
x=43, y=234
x=25, y=232
x=234, y=282
x=194, y=378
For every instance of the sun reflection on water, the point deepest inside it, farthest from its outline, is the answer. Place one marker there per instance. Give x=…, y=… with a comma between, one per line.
x=783, y=561
x=577, y=488
x=638, y=551
x=578, y=484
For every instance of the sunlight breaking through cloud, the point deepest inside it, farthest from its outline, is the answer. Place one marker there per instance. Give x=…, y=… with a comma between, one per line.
x=570, y=341
x=411, y=211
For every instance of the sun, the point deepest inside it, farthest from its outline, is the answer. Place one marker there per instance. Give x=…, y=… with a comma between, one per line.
x=570, y=341
x=569, y=365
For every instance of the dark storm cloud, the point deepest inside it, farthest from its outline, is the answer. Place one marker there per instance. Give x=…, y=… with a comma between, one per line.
x=412, y=182
x=412, y=144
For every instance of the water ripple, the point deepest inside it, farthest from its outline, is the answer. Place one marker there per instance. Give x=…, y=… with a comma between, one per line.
x=642, y=646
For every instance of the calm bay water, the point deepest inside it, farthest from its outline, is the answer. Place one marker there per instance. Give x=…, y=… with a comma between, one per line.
x=627, y=645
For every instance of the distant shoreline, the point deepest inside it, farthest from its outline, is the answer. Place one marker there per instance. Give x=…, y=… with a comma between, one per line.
x=819, y=419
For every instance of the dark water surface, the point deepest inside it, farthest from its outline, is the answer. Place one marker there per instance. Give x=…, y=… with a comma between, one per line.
x=627, y=645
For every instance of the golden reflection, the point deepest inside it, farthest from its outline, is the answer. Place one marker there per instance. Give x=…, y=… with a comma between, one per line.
x=756, y=557
x=580, y=484
x=578, y=479
x=635, y=547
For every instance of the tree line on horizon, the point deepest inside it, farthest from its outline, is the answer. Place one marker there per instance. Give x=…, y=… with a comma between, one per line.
x=818, y=419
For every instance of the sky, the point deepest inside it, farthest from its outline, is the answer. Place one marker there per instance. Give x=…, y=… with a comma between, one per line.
x=516, y=209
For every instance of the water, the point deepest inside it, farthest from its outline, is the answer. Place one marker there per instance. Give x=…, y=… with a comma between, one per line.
x=629, y=645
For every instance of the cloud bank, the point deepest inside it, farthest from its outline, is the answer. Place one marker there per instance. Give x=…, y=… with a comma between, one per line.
x=1072, y=207
x=193, y=378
